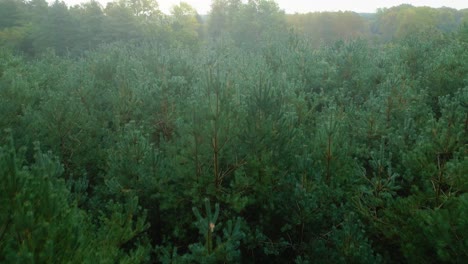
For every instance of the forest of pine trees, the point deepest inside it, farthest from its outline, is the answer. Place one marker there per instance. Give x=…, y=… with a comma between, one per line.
x=246, y=135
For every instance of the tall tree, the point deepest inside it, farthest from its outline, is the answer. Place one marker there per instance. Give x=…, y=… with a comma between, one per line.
x=90, y=18
x=142, y=8
x=221, y=17
x=57, y=30
x=120, y=22
x=10, y=13
x=185, y=23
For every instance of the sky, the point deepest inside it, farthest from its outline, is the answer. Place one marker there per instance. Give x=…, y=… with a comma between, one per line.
x=304, y=6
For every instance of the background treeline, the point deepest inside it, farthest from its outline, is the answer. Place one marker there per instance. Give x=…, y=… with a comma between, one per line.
x=240, y=137
x=385, y=25
x=32, y=27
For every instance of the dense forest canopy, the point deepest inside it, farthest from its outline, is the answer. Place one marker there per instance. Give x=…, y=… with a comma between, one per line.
x=244, y=136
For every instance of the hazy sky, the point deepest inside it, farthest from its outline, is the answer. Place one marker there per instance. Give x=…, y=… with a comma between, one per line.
x=304, y=6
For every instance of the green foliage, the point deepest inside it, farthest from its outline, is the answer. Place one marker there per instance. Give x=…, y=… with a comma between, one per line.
x=186, y=25
x=215, y=250
x=338, y=150
x=405, y=20
x=56, y=30
x=41, y=223
x=328, y=27
x=246, y=23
